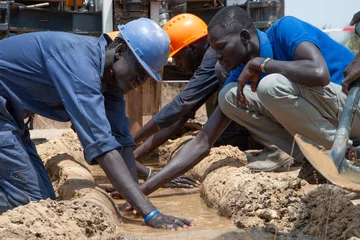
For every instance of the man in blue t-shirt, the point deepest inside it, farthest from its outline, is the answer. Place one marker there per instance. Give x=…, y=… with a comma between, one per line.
x=299, y=94
x=82, y=79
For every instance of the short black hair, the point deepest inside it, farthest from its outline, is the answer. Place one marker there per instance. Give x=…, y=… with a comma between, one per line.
x=117, y=41
x=232, y=20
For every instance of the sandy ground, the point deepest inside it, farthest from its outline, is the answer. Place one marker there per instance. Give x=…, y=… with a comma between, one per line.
x=82, y=209
x=278, y=203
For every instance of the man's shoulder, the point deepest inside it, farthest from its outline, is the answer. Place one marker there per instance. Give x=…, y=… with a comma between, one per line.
x=286, y=22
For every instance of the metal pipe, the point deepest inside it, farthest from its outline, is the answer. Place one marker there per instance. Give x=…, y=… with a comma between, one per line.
x=107, y=16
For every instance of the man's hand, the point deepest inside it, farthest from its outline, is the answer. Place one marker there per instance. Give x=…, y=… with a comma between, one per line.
x=351, y=73
x=182, y=182
x=355, y=18
x=251, y=72
x=168, y=222
x=179, y=182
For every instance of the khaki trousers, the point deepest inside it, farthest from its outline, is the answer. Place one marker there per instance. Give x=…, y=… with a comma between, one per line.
x=280, y=108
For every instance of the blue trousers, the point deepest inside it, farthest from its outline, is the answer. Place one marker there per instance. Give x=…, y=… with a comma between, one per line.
x=23, y=177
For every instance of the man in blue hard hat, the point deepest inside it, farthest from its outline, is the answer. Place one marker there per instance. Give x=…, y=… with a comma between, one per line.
x=65, y=77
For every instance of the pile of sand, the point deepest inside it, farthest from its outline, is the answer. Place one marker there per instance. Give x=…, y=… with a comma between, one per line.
x=82, y=210
x=166, y=152
x=278, y=203
x=219, y=157
x=327, y=214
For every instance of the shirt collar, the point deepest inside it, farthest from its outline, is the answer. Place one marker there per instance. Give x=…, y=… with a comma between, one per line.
x=104, y=41
x=265, y=46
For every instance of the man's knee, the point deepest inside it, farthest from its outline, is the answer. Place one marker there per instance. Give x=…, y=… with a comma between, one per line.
x=226, y=98
x=273, y=86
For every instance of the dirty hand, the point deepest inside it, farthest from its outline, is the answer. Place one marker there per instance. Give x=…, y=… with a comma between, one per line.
x=113, y=193
x=168, y=222
x=179, y=182
x=251, y=72
x=351, y=73
x=182, y=182
x=355, y=18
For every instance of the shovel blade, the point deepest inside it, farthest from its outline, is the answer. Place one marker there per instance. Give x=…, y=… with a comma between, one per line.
x=346, y=175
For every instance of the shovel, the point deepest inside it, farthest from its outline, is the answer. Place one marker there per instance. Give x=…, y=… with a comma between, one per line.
x=332, y=163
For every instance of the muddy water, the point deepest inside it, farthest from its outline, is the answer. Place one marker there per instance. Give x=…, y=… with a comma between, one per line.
x=185, y=203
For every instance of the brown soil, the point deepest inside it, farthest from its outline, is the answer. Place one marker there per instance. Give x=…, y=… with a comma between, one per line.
x=166, y=151
x=170, y=90
x=219, y=157
x=278, y=203
x=273, y=202
x=82, y=210
x=326, y=213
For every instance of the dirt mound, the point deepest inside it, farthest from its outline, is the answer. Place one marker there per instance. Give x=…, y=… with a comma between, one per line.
x=254, y=200
x=167, y=151
x=218, y=157
x=85, y=210
x=327, y=214
x=279, y=203
x=80, y=218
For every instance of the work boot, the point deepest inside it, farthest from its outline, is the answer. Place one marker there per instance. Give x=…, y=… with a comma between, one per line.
x=269, y=160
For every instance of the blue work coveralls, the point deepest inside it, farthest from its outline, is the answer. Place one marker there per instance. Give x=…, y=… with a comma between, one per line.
x=56, y=75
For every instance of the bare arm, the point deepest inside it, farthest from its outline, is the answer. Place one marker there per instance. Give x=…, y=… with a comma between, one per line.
x=147, y=130
x=191, y=154
x=309, y=68
x=355, y=19
x=351, y=73
x=158, y=138
x=115, y=168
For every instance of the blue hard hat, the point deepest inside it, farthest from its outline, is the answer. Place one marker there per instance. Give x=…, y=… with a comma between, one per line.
x=149, y=43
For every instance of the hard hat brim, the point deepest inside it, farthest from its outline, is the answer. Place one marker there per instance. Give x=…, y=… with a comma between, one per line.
x=155, y=75
x=187, y=44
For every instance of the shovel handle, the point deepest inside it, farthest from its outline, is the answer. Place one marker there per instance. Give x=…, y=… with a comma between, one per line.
x=342, y=134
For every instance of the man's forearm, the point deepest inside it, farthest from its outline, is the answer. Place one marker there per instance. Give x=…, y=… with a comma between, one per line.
x=191, y=154
x=158, y=138
x=115, y=169
x=308, y=67
x=147, y=130
x=312, y=77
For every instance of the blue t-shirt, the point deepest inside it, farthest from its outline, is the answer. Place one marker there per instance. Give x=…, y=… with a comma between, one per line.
x=288, y=32
x=58, y=75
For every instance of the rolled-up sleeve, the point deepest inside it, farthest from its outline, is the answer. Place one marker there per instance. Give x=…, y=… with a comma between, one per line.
x=201, y=86
x=76, y=75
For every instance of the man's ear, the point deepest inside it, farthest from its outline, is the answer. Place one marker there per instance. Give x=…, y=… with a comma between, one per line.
x=245, y=36
x=120, y=50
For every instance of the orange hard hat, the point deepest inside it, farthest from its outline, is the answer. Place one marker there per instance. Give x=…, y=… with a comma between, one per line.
x=112, y=35
x=183, y=30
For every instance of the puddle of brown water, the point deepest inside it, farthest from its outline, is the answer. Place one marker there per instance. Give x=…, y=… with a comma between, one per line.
x=184, y=203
